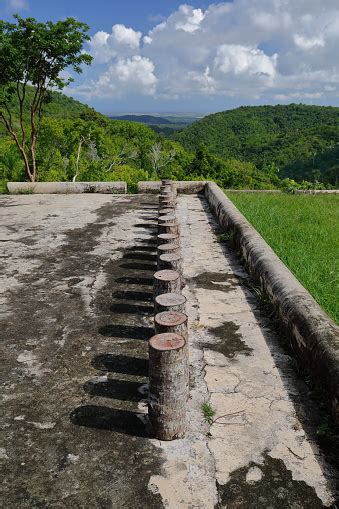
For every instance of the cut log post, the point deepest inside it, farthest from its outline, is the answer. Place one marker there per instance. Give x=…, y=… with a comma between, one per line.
x=168, y=238
x=168, y=394
x=171, y=321
x=169, y=302
x=167, y=218
x=166, y=281
x=170, y=261
x=166, y=249
x=165, y=211
x=167, y=201
x=169, y=228
x=172, y=184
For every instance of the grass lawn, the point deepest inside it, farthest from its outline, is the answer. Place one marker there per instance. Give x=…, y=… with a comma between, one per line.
x=304, y=232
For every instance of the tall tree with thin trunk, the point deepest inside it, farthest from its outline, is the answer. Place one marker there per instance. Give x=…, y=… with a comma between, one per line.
x=35, y=54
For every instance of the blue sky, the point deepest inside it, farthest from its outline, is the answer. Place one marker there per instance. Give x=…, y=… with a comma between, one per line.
x=164, y=55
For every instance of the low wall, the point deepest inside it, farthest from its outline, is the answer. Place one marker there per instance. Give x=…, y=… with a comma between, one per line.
x=183, y=186
x=66, y=187
x=315, y=335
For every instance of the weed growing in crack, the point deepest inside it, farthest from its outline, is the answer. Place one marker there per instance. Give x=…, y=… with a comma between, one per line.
x=208, y=412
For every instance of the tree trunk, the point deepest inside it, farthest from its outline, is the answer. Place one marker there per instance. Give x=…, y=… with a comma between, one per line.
x=167, y=218
x=172, y=228
x=165, y=211
x=167, y=201
x=171, y=321
x=170, y=261
x=169, y=302
x=168, y=384
x=167, y=238
x=166, y=249
x=166, y=281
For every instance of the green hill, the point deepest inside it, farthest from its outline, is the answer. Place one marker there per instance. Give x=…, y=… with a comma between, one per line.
x=110, y=149
x=302, y=141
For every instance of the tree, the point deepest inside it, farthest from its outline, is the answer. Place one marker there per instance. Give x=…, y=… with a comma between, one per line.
x=33, y=53
x=159, y=159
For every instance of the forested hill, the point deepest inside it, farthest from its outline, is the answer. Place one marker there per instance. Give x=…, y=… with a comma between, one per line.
x=107, y=149
x=301, y=140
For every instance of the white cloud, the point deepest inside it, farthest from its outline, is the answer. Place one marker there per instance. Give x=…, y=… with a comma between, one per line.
x=124, y=35
x=122, y=77
x=121, y=41
x=308, y=43
x=263, y=49
x=17, y=4
x=192, y=19
x=233, y=58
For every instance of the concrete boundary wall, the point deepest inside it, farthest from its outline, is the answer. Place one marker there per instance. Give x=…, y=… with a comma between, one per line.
x=315, y=335
x=66, y=187
x=183, y=186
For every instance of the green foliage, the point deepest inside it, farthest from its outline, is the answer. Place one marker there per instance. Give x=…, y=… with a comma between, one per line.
x=208, y=412
x=302, y=142
x=302, y=230
x=35, y=53
x=231, y=173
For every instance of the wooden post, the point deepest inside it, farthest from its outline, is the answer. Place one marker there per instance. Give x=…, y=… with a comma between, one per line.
x=166, y=249
x=168, y=384
x=171, y=321
x=168, y=238
x=172, y=228
x=170, y=261
x=166, y=281
x=169, y=302
x=167, y=201
x=167, y=218
x=165, y=211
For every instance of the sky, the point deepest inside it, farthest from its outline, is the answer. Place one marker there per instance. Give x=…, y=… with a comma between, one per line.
x=201, y=57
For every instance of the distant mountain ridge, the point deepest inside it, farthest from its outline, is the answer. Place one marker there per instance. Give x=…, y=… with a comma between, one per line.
x=144, y=119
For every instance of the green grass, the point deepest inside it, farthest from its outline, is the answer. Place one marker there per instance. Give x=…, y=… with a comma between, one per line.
x=303, y=230
x=208, y=412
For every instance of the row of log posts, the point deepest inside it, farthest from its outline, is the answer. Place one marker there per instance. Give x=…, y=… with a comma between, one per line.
x=168, y=348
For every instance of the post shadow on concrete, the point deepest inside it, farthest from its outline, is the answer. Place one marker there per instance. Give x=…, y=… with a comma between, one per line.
x=137, y=332
x=135, y=255
x=129, y=280
x=121, y=364
x=140, y=266
x=123, y=390
x=110, y=419
x=147, y=226
x=126, y=308
x=129, y=299
x=133, y=295
x=149, y=242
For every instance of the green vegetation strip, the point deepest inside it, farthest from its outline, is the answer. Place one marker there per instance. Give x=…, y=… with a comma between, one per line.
x=303, y=231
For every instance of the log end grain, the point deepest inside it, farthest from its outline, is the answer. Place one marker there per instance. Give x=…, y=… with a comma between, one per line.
x=166, y=342
x=170, y=318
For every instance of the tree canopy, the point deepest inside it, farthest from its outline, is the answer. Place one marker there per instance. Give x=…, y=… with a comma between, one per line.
x=301, y=141
x=34, y=53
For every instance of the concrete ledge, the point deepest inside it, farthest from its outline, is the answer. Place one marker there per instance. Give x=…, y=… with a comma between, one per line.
x=316, y=336
x=184, y=186
x=66, y=187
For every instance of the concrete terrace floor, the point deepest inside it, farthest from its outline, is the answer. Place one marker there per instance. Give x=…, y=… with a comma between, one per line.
x=76, y=312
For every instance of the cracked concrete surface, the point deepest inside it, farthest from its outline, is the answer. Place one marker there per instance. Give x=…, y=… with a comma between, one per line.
x=76, y=308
